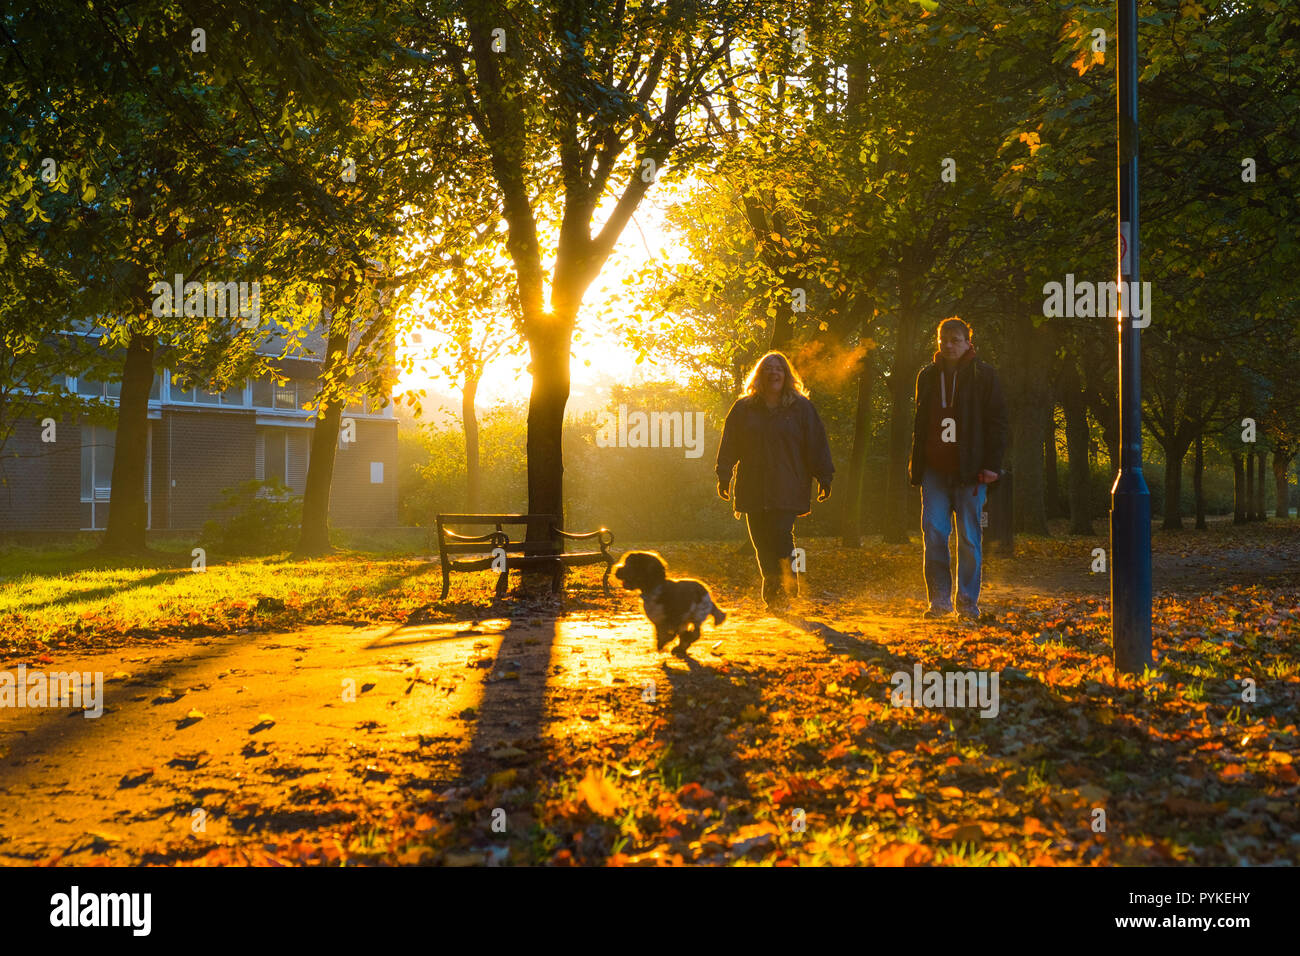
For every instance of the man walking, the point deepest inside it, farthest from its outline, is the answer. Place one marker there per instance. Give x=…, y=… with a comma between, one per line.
x=958, y=438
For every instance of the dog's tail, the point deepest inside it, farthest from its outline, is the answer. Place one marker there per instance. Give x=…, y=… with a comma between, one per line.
x=718, y=615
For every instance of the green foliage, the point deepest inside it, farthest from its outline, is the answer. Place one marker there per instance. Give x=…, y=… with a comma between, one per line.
x=641, y=494
x=258, y=517
x=431, y=468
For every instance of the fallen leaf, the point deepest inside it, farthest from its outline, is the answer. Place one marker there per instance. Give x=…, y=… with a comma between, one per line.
x=134, y=778
x=470, y=858
x=503, y=778
x=904, y=854
x=961, y=832
x=1093, y=793
x=601, y=795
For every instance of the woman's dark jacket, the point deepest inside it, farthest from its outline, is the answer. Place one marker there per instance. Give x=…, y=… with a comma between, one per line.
x=779, y=451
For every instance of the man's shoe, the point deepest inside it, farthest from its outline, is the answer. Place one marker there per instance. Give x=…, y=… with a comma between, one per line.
x=969, y=613
x=937, y=612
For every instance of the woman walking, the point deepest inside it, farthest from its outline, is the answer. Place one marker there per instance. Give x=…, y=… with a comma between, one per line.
x=775, y=442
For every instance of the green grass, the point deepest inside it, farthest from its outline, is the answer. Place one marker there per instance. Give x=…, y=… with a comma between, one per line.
x=65, y=596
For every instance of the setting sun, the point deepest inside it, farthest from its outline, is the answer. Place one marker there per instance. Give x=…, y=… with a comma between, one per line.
x=600, y=356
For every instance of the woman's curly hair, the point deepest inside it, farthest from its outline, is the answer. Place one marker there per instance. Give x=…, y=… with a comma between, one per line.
x=793, y=383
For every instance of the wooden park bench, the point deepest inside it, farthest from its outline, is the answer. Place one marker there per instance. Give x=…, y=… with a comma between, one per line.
x=520, y=555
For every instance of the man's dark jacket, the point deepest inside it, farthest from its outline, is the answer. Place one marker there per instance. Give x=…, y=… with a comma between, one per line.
x=779, y=451
x=979, y=411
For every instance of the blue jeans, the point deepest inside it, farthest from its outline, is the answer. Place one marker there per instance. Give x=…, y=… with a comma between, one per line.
x=941, y=498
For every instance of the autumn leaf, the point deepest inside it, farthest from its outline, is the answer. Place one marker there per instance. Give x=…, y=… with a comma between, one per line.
x=904, y=854
x=502, y=778
x=472, y=858
x=971, y=832
x=601, y=795
x=1033, y=825
x=1093, y=794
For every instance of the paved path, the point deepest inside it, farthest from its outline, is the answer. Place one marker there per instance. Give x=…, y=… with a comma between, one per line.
x=256, y=730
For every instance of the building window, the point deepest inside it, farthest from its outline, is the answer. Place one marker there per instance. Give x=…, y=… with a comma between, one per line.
x=97, y=451
x=180, y=393
x=376, y=472
x=282, y=454
x=288, y=396
x=92, y=388
x=231, y=397
x=96, y=475
x=262, y=392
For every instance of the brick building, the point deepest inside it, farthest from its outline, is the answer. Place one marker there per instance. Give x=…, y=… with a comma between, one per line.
x=200, y=443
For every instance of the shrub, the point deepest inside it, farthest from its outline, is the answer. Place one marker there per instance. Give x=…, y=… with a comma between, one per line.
x=256, y=517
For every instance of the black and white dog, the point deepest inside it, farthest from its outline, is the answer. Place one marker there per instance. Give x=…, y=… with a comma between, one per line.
x=675, y=608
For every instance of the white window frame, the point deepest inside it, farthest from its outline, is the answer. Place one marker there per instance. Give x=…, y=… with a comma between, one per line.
x=170, y=398
x=95, y=498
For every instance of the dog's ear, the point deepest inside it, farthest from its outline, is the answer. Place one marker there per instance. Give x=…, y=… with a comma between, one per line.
x=654, y=567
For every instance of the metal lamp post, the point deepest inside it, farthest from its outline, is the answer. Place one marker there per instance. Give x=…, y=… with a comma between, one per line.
x=1130, y=508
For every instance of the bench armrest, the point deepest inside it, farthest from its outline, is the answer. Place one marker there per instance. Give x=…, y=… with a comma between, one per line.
x=604, y=534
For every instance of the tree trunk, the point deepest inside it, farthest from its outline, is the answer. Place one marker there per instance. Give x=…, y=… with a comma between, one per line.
x=1076, y=446
x=875, y=479
x=314, y=538
x=1175, y=452
x=1026, y=396
x=1102, y=403
x=1282, y=485
x=1261, y=512
x=128, y=515
x=1239, y=495
x=1056, y=504
x=851, y=515
x=470, y=417
x=1250, y=486
x=548, y=345
x=898, y=513
x=1198, y=480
